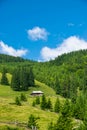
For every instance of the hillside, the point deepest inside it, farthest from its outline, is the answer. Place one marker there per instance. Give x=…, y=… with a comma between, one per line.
x=69, y=67
x=11, y=113
x=65, y=77
x=6, y=58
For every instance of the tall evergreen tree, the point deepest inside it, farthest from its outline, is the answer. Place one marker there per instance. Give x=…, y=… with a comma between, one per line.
x=17, y=101
x=43, y=102
x=57, y=106
x=64, y=121
x=4, y=80
x=32, y=122
x=57, y=86
x=51, y=126
x=37, y=100
x=66, y=86
x=31, y=78
x=85, y=80
x=66, y=109
x=23, y=97
x=80, y=107
x=24, y=79
x=49, y=104
x=15, y=81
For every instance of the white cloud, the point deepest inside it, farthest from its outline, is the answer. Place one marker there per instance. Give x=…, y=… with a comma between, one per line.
x=70, y=44
x=71, y=24
x=37, y=33
x=5, y=49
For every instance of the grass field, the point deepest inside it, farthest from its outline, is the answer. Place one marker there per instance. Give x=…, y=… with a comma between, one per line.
x=9, y=112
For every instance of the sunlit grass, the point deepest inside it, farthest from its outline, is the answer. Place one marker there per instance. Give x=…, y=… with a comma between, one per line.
x=10, y=112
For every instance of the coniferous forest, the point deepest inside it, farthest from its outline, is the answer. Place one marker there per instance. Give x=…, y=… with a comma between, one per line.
x=66, y=75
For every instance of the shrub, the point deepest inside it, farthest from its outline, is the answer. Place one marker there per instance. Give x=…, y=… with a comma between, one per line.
x=17, y=101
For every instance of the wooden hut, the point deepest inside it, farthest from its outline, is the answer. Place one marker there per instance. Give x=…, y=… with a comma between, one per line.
x=37, y=93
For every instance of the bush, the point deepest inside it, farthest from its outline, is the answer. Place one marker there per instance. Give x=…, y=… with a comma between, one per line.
x=17, y=101
x=32, y=122
x=34, y=103
x=23, y=97
x=37, y=100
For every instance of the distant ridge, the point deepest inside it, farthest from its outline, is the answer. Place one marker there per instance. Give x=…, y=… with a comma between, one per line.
x=8, y=58
x=70, y=57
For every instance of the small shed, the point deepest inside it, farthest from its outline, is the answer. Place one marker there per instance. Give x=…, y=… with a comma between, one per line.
x=37, y=93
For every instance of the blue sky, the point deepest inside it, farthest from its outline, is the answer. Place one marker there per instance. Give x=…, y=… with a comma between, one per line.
x=42, y=29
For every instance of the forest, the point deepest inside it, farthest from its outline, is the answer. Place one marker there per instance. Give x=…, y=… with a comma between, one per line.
x=67, y=75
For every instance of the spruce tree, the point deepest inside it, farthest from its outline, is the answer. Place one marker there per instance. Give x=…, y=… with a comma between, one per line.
x=17, y=101
x=33, y=103
x=4, y=80
x=31, y=78
x=49, y=104
x=57, y=106
x=85, y=79
x=24, y=79
x=57, y=86
x=80, y=107
x=15, y=81
x=64, y=121
x=43, y=104
x=51, y=126
x=37, y=100
x=23, y=97
x=66, y=109
x=32, y=122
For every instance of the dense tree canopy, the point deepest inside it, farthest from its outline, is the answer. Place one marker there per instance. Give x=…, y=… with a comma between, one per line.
x=21, y=79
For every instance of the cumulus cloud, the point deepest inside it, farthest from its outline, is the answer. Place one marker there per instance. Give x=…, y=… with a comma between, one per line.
x=5, y=49
x=37, y=33
x=70, y=44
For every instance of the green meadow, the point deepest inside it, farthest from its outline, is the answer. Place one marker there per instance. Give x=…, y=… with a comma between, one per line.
x=10, y=112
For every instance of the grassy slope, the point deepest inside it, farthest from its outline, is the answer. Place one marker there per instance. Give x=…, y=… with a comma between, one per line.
x=9, y=112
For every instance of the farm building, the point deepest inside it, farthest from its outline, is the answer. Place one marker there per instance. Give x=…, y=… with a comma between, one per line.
x=37, y=93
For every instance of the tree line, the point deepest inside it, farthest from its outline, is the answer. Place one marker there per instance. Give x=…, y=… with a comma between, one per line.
x=22, y=79
x=65, y=74
x=67, y=111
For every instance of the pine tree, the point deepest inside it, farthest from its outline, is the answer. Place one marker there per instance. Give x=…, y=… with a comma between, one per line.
x=66, y=109
x=23, y=97
x=66, y=86
x=43, y=104
x=32, y=122
x=37, y=100
x=34, y=103
x=24, y=79
x=4, y=80
x=64, y=121
x=80, y=107
x=17, y=101
x=51, y=126
x=31, y=78
x=49, y=104
x=57, y=106
x=15, y=81
x=85, y=79
x=57, y=86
